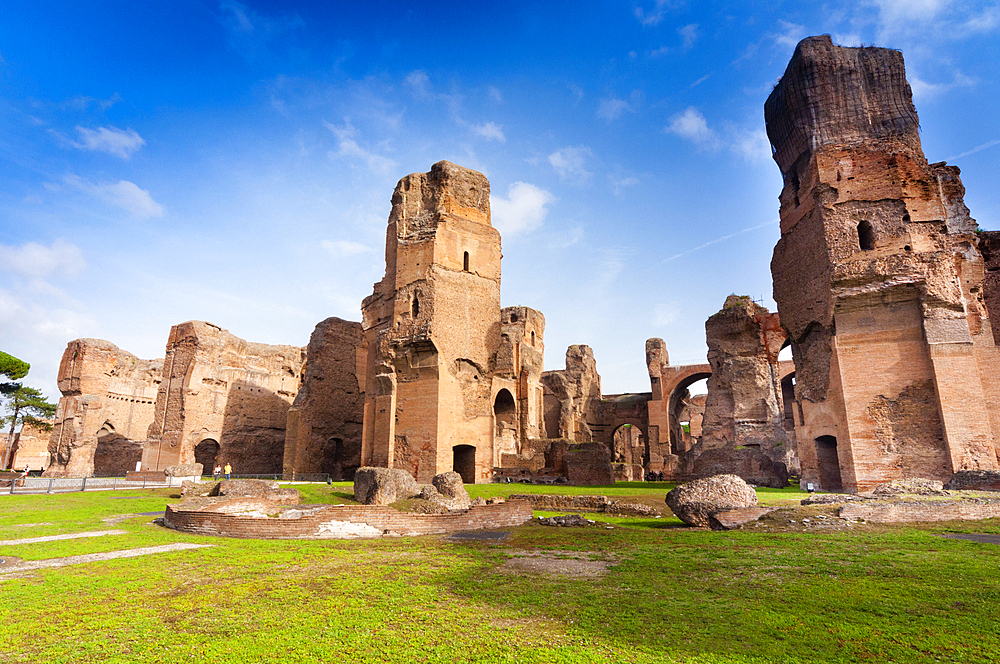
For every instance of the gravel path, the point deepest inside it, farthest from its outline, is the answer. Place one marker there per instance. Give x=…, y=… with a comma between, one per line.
x=53, y=538
x=19, y=568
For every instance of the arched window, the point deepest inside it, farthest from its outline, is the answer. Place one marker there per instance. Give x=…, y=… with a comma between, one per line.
x=416, y=306
x=465, y=261
x=866, y=236
x=532, y=337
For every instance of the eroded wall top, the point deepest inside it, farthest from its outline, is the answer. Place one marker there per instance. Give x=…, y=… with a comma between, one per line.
x=831, y=94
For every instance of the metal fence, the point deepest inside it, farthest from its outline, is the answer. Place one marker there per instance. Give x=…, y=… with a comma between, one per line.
x=37, y=485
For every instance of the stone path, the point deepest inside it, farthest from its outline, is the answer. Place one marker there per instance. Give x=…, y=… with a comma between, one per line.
x=53, y=538
x=17, y=569
x=974, y=537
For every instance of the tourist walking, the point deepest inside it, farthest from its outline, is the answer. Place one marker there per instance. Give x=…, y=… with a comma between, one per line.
x=216, y=472
x=229, y=470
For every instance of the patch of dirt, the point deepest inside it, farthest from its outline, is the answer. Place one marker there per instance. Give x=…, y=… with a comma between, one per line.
x=576, y=564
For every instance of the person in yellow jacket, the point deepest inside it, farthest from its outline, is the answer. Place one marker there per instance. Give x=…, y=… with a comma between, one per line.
x=229, y=470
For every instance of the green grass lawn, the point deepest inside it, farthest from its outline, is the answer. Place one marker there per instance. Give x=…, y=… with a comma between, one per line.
x=672, y=594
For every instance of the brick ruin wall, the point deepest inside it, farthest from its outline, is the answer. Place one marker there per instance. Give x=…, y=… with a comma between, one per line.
x=222, y=400
x=324, y=424
x=31, y=447
x=346, y=521
x=107, y=404
x=878, y=280
x=432, y=328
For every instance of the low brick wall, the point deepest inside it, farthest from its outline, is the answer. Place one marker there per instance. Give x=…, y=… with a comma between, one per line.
x=549, y=502
x=342, y=521
x=951, y=510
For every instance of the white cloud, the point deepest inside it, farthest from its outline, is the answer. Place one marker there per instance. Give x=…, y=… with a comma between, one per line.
x=522, y=211
x=619, y=183
x=490, y=131
x=342, y=248
x=654, y=15
x=122, y=194
x=689, y=35
x=922, y=90
x=791, y=34
x=570, y=163
x=495, y=95
x=249, y=31
x=753, y=145
x=419, y=84
x=665, y=314
x=611, y=108
x=119, y=142
x=348, y=147
x=692, y=126
x=978, y=148
x=36, y=260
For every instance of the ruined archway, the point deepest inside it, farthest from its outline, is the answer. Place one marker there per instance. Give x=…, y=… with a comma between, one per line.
x=628, y=445
x=676, y=407
x=333, y=459
x=115, y=454
x=788, y=401
x=465, y=462
x=206, y=453
x=505, y=422
x=828, y=462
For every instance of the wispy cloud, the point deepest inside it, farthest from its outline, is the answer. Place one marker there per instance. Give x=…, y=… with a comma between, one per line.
x=522, y=210
x=123, y=194
x=119, y=142
x=789, y=35
x=348, y=147
x=718, y=240
x=751, y=144
x=978, y=148
x=692, y=126
x=619, y=183
x=570, y=163
x=37, y=260
x=655, y=14
x=419, y=84
x=666, y=313
x=689, y=35
x=922, y=90
x=250, y=31
x=343, y=248
x=490, y=131
x=611, y=108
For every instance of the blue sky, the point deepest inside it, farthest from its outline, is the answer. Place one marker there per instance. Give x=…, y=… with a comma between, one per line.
x=233, y=162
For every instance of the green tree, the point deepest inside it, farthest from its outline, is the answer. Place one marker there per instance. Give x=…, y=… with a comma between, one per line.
x=24, y=405
x=11, y=367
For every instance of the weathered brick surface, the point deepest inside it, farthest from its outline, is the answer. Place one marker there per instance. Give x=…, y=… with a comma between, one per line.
x=331, y=521
x=969, y=510
x=878, y=280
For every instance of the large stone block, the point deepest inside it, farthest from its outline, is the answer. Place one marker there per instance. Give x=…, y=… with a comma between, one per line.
x=694, y=502
x=383, y=486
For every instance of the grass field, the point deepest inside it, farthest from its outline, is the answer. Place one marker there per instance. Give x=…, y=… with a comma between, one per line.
x=669, y=593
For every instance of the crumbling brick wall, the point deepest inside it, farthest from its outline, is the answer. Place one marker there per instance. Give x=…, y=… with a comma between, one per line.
x=876, y=275
x=107, y=401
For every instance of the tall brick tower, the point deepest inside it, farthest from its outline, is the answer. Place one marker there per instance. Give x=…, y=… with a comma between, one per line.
x=432, y=327
x=878, y=279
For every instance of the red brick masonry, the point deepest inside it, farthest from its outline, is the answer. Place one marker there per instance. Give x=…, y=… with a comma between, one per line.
x=922, y=511
x=342, y=521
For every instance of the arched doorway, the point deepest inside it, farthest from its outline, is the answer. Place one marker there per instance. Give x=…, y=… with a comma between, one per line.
x=828, y=463
x=115, y=454
x=505, y=419
x=333, y=459
x=679, y=399
x=206, y=452
x=465, y=462
x=629, y=444
x=788, y=401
